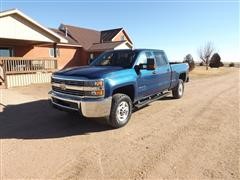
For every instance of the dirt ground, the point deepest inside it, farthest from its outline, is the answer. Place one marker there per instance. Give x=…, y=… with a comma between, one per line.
x=200, y=72
x=196, y=137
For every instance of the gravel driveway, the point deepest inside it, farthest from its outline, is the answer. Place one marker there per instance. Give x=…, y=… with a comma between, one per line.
x=193, y=137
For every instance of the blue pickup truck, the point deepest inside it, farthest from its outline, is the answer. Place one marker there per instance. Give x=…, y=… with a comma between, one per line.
x=116, y=82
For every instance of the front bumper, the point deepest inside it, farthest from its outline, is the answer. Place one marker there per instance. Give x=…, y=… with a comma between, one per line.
x=87, y=107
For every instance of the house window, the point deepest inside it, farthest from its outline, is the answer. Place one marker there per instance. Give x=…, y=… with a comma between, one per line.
x=6, y=52
x=122, y=38
x=51, y=52
x=91, y=56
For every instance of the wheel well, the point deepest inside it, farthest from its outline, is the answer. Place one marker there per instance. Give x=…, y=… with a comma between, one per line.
x=182, y=76
x=128, y=90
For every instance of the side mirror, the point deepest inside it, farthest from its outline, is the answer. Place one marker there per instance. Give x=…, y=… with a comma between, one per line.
x=137, y=69
x=150, y=64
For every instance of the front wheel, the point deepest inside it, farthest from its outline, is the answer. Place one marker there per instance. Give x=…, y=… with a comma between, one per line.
x=121, y=110
x=178, y=90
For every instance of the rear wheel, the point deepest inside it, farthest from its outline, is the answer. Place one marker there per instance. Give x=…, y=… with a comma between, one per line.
x=178, y=90
x=121, y=110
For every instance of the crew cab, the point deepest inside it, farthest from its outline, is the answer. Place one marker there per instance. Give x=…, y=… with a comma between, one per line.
x=116, y=82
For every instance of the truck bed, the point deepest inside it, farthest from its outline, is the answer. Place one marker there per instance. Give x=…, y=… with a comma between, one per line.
x=178, y=67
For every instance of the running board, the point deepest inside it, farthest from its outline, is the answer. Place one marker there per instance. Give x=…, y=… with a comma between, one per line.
x=150, y=99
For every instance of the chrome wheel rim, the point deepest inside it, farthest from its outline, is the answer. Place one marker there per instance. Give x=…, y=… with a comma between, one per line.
x=180, y=89
x=123, y=111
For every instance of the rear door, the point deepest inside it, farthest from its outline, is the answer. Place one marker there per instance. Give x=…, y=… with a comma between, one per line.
x=163, y=70
x=147, y=80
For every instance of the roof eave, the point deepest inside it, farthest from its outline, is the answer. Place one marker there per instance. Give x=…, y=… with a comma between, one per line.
x=129, y=39
x=69, y=45
x=16, y=11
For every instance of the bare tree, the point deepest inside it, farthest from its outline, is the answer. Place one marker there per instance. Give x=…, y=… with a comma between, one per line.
x=205, y=53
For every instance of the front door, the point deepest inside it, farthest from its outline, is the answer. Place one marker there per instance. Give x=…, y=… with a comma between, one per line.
x=147, y=80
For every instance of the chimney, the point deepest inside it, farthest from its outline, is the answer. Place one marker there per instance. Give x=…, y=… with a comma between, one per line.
x=66, y=32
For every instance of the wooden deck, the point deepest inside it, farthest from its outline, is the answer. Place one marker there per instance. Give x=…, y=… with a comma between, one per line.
x=19, y=71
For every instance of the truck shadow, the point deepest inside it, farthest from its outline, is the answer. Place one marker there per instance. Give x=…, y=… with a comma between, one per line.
x=38, y=120
x=167, y=98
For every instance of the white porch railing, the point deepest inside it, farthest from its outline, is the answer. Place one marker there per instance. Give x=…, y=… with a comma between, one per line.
x=10, y=66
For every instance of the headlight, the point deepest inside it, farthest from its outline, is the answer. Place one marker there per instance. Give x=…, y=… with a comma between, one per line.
x=96, y=88
x=99, y=83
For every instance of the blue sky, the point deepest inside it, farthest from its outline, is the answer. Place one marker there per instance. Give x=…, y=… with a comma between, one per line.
x=178, y=27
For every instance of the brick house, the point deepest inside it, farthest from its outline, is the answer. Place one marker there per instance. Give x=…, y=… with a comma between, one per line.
x=28, y=47
x=92, y=43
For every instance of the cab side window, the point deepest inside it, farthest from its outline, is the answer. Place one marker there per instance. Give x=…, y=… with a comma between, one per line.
x=160, y=58
x=142, y=58
x=149, y=55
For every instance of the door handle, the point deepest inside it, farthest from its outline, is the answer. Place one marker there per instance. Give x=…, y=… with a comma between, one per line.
x=168, y=70
x=154, y=72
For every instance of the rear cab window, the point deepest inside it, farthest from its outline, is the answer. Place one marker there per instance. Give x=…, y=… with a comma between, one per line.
x=160, y=58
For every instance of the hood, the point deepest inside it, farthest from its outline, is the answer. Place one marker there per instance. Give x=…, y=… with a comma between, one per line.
x=90, y=72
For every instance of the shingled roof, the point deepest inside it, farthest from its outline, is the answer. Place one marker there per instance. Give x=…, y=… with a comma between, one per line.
x=108, y=35
x=69, y=38
x=89, y=39
x=85, y=37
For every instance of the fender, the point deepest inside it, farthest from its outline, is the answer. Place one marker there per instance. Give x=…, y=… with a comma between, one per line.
x=121, y=79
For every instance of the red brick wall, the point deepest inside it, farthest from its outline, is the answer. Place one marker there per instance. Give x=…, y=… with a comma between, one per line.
x=68, y=56
x=31, y=51
x=84, y=56
x=21, y=51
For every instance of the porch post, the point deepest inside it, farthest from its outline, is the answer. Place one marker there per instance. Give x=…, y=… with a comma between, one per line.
x=55, y=49
x=4, y=73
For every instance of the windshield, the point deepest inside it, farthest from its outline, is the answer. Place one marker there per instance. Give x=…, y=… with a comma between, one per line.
x=123, y=59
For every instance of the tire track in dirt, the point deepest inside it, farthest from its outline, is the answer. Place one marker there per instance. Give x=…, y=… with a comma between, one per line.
x=139, y=137
x=169, y=139
x=149, y=163
x=82, y=165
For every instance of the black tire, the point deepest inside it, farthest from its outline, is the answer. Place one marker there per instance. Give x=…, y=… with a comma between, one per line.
x=120, y=104
x=178, y=91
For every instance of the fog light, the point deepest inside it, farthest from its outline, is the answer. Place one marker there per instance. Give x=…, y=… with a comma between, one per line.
x=98, y=92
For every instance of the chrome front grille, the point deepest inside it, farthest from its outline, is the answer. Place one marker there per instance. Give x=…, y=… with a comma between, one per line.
x=68, y=91
x=76, y=87
x=66, y=86
x=68, y=82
